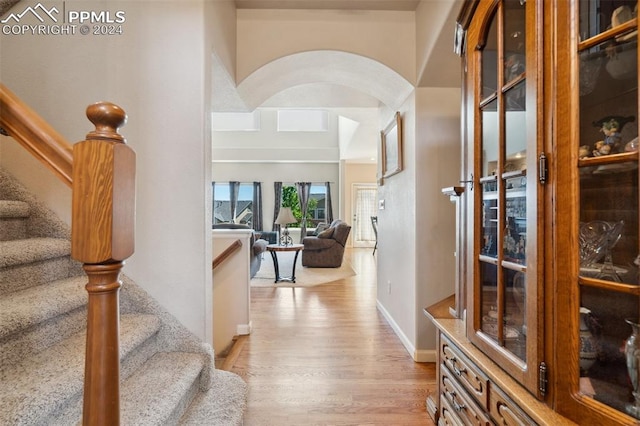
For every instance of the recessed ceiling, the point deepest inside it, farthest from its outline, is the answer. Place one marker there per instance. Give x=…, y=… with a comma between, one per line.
x=409, y=5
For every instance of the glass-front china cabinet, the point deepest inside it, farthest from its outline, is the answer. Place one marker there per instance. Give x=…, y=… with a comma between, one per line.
x=546, y=324
x=598, y=303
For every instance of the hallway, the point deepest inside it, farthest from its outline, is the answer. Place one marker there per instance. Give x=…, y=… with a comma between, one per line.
x=324, y=355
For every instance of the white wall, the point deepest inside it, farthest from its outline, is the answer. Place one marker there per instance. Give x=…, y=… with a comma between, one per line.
x=385, y=36
x=157, y=71
x=397, y=236
x=437, y=156
x=231, y=288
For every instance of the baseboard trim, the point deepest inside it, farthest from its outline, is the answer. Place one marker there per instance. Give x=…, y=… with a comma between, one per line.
x=243, y=329
x=396, y=328
x=427, y=355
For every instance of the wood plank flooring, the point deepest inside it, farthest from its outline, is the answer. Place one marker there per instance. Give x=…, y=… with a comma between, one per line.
x=324, y=355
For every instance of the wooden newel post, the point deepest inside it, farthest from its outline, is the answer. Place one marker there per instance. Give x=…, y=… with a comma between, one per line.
x=102, y=237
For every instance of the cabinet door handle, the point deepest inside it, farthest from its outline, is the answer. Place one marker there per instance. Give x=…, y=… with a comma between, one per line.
x=457, y=370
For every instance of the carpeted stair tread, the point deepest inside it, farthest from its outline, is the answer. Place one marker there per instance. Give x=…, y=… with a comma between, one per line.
x=25, y=308
x=14, y=209
x=41, y=384
x=154, y=392
x=222, y=405
x=17, y=252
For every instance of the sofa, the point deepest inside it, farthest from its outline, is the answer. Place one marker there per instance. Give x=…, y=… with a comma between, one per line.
x=257, y=246
x=326, y=249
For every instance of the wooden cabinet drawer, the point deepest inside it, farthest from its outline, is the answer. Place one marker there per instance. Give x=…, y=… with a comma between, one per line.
x=462, y=403
x=468, y=375
x=504, y=411
x=448, y=416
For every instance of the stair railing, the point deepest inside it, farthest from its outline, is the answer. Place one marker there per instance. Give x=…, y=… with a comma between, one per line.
x=233, y=247
x=35, y=135
x=101, y=172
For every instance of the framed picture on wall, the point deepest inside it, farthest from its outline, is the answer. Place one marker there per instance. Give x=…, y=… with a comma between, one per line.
x=391, y=147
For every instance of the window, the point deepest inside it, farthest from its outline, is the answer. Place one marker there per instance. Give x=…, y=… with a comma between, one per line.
x=235, y=121
x=303, y=120
x=317, y=203
x=222, y=209
x=316, y=210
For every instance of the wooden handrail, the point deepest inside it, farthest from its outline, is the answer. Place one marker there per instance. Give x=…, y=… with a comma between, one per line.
x=36, y=135
x=226, y=253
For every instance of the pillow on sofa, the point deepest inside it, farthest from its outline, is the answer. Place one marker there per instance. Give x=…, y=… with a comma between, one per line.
x=327, y=233
x=320, y=227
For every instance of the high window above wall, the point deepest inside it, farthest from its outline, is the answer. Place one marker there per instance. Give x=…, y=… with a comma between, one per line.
x=303, y=120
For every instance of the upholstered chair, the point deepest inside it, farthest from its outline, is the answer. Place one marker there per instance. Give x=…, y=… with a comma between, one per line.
x=326, y=250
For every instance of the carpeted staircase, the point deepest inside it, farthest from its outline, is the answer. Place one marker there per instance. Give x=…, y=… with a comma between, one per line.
x=167, y=374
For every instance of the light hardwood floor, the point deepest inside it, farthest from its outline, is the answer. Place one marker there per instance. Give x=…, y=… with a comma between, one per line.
x=324, y=355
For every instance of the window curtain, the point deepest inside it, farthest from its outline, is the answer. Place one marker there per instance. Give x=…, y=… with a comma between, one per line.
x=234, y=189
x=277, y=189
x=213, y=202
x=257, y=206
x=328, y=208
x=304, y=188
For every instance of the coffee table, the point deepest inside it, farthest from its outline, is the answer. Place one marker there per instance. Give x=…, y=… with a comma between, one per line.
x=274, y=249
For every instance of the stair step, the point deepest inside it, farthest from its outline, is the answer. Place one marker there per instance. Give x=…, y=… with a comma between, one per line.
x=14, y=216
x=42, y=385
x=221, y=405
x=14, y=209
x=34, y=261
x=160, y=392
x=32, y=250
x=23, y=309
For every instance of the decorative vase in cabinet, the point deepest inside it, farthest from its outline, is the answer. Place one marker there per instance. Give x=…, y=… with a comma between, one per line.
x=632, y=355
x=588, y=344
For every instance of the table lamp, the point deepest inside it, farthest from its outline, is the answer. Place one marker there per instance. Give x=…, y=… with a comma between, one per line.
x=285, y=217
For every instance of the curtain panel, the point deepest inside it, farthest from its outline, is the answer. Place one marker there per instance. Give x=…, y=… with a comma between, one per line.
x=328, y=213
x=257, y=206
x=304, y=188
x=277, y=189
x=234, y=189
x=213, y=202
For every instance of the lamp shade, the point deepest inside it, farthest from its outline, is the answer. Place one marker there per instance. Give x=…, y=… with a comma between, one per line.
x=285, y=216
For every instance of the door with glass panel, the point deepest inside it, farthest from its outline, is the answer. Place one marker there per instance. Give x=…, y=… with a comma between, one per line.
x=364, y=206
x=506, y=313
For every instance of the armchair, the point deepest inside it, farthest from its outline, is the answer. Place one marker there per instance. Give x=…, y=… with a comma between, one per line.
x=326, y=250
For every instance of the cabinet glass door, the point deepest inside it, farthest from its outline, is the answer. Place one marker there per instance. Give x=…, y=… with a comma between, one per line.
x=506, y=269
x=608, y=306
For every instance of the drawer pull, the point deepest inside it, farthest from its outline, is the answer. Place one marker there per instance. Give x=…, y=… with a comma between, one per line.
x=456, y=406
x=457, y=370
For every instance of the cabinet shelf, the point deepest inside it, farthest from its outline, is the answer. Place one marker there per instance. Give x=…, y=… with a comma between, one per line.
x=607, y=35
x=610, y=285
x=608, y=159
x=488, y=259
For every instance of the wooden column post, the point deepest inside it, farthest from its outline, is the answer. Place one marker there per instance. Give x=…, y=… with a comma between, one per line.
x=102, y=237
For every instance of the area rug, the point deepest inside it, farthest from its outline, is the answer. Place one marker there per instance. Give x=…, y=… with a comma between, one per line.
x=305, y=277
